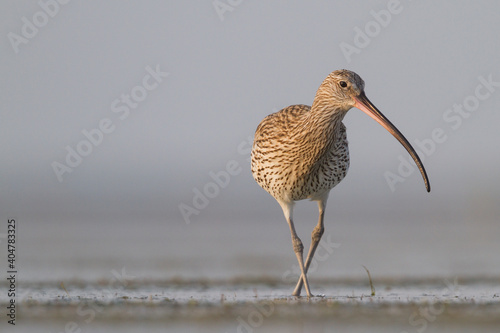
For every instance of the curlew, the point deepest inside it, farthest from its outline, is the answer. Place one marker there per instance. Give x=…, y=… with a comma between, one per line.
x=301, y=152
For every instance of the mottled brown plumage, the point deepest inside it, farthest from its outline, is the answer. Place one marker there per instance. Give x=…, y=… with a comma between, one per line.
x=301, y=152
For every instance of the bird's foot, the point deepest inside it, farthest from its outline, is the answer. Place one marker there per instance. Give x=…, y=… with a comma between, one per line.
x=310, y=296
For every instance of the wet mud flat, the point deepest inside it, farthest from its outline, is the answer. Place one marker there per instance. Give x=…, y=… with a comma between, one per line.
x=258, y=305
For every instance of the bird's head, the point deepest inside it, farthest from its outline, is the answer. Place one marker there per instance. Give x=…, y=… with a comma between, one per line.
x=345, y=86
x=344, y=89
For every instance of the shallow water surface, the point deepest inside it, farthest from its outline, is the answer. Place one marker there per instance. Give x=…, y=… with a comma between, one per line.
x=237, y=276
x=260, y=306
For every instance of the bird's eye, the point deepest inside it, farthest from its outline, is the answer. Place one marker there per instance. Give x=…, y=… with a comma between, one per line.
x=343, y=84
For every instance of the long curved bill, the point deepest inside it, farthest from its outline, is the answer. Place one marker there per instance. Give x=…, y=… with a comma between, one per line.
x=363, y=103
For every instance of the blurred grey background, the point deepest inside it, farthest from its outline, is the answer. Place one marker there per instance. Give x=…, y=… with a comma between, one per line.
x=66, y=68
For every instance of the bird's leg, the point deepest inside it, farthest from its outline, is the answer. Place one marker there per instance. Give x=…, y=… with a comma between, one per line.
x=316, y=237
x=297, y=246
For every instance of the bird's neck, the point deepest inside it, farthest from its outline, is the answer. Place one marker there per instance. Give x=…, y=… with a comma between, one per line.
x=327, y=111
x=324, y=121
